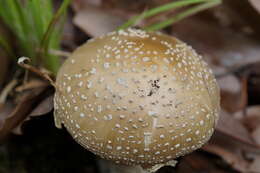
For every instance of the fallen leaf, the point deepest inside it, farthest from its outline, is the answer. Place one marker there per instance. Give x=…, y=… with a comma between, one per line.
x=5, y=110
x=32, y=84
x=198, y=162
x=230, y=141
x=233, y=128
x=233, y=159
x=44, y=107
x=96, y=21
x=7, y=90
x=230, y=88
x=248, y=11
x=17, y=130
x=219, y=45
x=256, y=5
x=232, y=136
x=20, y=112
x=255, y=166
x=249, y=75
x=252, y=118
x=256, y=135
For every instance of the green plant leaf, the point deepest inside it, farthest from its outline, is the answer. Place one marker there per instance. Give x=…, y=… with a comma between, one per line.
x=185, y=14
x=171, y=6
x=34, y=24
x=157, y=10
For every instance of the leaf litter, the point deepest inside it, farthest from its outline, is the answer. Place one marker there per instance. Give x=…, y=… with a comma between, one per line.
x=228, y=43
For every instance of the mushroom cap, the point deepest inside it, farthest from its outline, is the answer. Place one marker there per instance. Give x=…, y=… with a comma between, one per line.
x=137, y=98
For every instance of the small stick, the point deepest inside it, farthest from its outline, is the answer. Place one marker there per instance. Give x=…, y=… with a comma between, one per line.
x=24, y=62
x=6, y=90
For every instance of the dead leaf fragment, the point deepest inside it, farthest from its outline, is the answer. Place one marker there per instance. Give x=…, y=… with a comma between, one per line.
x=252, y=118
x=255, y=166
x=20, y=112
x=32, y=84
x=256, y=135
x=5, y=110
x=233, y=128
x=255, y=4
x=96, y=21
x=44, y=107
x=231, y=158
x=227, y=48
x=230, y=88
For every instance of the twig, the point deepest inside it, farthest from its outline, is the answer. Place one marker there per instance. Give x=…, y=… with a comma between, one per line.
x=23, y=62
x=6, y=90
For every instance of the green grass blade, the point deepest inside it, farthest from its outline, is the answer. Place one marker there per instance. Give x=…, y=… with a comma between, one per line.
x=52, y=63
x=33, y=23
x=20, y=19
x=41, y=13
x=5, y=45
x=160, y=9
x=183, y=15
x=11, y=16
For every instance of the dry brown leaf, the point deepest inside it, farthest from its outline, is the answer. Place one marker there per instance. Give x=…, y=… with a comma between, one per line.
x=8, y=88
x=94, y=20
x=230, y=84
x=255, y=166
x=252, y=118
x=256, y=5
x=219, y=45
x=246, y=12
x=44, y=107
x=233, y=128
x=20, y=112
x=18, y=130
x=235, y=139
x=230, y=88
x=32, y=84
x=199, y=162
x=236, y=161
x=5, y=110
x=256, y=135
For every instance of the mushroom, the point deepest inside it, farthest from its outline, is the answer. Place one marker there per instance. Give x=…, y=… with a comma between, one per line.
x=137, y=98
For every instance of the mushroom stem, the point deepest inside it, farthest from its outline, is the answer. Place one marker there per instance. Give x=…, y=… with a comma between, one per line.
x=110, y=167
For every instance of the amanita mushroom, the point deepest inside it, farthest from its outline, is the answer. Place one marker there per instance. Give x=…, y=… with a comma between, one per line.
x=137, y=98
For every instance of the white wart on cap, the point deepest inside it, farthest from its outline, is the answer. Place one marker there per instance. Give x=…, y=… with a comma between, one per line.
x=137, y=98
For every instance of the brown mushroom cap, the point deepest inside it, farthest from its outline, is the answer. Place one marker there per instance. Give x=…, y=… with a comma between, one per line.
x=136, y=97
